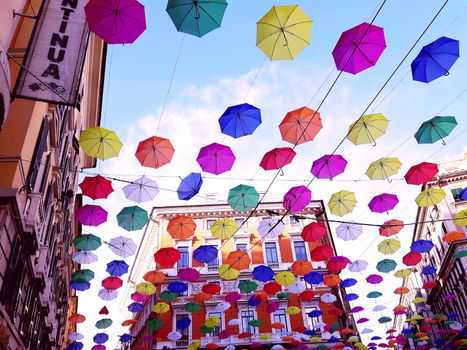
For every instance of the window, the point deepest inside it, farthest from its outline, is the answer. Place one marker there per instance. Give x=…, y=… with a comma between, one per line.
x=294, y=222
x=184, y=260
x=209, y=223
x=41, y=147
x=217, y=329
x=247, y=316
x=310, y=322
x=240, y=222
x=456, y=194
x=185, y=332
x=271, y=252
x=242, y=247
x=14, y=275
x=300, y=250
x=280, y=316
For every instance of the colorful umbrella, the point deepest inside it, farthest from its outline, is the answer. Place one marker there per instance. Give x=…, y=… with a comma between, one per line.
x=177, y=287
x=154, y=152
x=145, y=288
x=421, y=173
x=239, y=260
x=167, y=257
x=117, y=268
x=428, y=270
x=247, y=286
x=80, y=286
x=430, y=197
x=313, y=232
x=84, y=257
x=383, y=203
x=277, y=158
x=402, y=273
x=227, y=272
x=188, y=274
x=154, y=276
x=412, y=258
x=300, y=126
x=383, y=168
x=296, y=199
x=401, y=290
x=435, y=59
x=435, y=129
x=374, y=279
x=141, y=190
x=82, y=276
x=107, y=295
x=321, y=253
x=215, y=158
x=331, y=280
x=100, y=143
x=285, y=278
x=181, y=227
x=389, y=246
x=422, y=246
x=87, y=242
x=224, y=228
x=313, y=278
x=454, y=236
x=270, y=227
x=91, y=215
x=112, y=283
x=374, y=295
x=122, y=246
x=386, y=265
x=349, y=231
x=154, y=324
x=132, y=218
x=359, y=48
x=348, y=282
x=337, y=263
x=358, y=266
x=391, y=227
x=463, y=194
x=96, y=187
x=205, y=253
x=100, y=338
x=192, y=307
x=189, y=186
x=460, y=219
x=367, y=129
x=328, y=166
x=196, y=17
x=283, y=32
x=240, y=120
x=243, y=198
x=328, y=298
x=263, y=273
x=341, y=203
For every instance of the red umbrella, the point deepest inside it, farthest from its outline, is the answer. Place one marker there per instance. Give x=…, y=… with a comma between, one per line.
x=224, y=334
x=306, y=295
x=112, y=283
x=313, y=232
x=429, y=285
x=277, y=158
x=421, y=173
x=412, y=258
x=211, y=288
x=154, y=152
x=337, y=263
x=76, y=318
x=167, y=257
x=335, y=311
x=272, y=288
x=300, y=126
x=391, y=227
x=96, y=187
x=322, y=253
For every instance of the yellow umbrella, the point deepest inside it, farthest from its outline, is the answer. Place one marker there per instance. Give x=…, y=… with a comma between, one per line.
x=161, y=308
x=460, y=218
x=292, y=310
x=417, y=318
x=285, y=278
x=145, y=288
x=212, y=321
x=227, y=272
x=353, y=339
x=389, y=246
x=224, y=228
x=383, y=168
x=402, y=273
x=100, y=143
x=316, y=339
x=367, y=129
x=283, y=32
x=429, y=197
x=342, y=203
x=418, y=300
x=265, y=337
x=194, y=345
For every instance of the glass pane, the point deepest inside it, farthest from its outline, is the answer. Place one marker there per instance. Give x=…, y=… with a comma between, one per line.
x=242, y=247
x=280, y=316
x=271, y=252
x=300, y=251
x=218, y=328
x=247, y=316
x=184, y=260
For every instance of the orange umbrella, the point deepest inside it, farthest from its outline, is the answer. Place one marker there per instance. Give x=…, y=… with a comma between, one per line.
x=331, y=280
x=347, y=331
x=454, y=236
x=277, y=325
x=288, y=338
x=399, y=308
x=181, y=227
x=420, y=334
x=300, y=126
x=401, y=290
x=239, y=260
x=154, y=276
x=154, y=152
x=302, y=267
x=76, y=318
x=129, y=322
x=201, y=296
x=391, y=227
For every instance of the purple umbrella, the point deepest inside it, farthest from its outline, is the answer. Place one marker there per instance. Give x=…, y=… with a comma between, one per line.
x=383, y=202
x=328, y=166
x=359, y=48
x=91, y=215
x=357, y=309
x=140, y=298
x=297, y=198
x=215, y=158
x=374, y=279
x=362, y=320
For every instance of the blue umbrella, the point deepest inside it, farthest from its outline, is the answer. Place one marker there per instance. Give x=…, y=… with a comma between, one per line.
x=177, y=287
x=80, y=286
x=240, y=120
x=348, y=282
x=313, y=278
x=315, y=313
x=117, y=268
x=428, y=270
x=75, y=346
x=435, y=59
x=435, y=129
x=135, y=307
x=100, y=338
x=333, y=339
x=453, y=315
x=463, y=194
x=309, y=332
x=375, y=337
x=190, y=186
x=125, y=338
x=406, y=331
x=263, y=273
x=351, y=296
x=205, y=253
x=183, y=323
x=254, y=300
x=421, y=246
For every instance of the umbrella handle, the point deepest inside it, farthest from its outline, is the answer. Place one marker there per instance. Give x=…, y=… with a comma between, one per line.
x=281, y=172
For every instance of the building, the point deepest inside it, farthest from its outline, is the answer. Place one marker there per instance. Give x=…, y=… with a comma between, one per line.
x=451, y=277
x=277, y=252
x=40, y=162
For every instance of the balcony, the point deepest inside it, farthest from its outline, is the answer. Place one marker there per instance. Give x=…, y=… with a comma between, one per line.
x=34, y=216
x=181, y=344
x=213, y=268
x=234, y=340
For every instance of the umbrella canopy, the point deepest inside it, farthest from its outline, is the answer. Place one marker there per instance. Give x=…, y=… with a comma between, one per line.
x=154, y=152
x=328, y=166
x=189, y=186
x=300, y=125
x=96, y=187
x=301, y=267
x=224, y=228
x=117, y=268
x=383, y=203
x=313, y=278
x=285, y=278
x=421, y=173
x=328, y=298
x=454, y=236
x=296, y=199
x=348, y=282
x=349, y=231
x=422, y=246
x=402, y=273
x=341, y=203
x=239, y=260
x=391, y=227
x=435, y=59
x=141, y=190
x=87, y=242
x=100, y=143
x=132, y=218
x=240, y=120
x=188, y=274
x=386, y=265
x=82, y=276
x=167, y=257
x=215, y=158
x=177, y=287
x=205, y=253
x=435, y=129
x=389, y=246
x=277, y=158
x=112, y=283
x=192, y=307
x=374, y=279
x=358, y=266
x=359, y=48
x=196, y=17
x=430, y=197
x=331, y=280
x=247, y=286
x=91, y=215
x=321, y=253
x=154, y=276
x=145, y=288
x=283, y=32
x=181, y=227
x=227, y=272
x=263, y=273
x=383, y=168
x=100, y=338
x=270, y=227
x=401, y=290
x=367, y=129
x=428, y=270
x=107, y=295
x=460, y=219
x=412, y=258
x=84, y=257
x=243, y=198
x=122, y=246
x=154, y=324
x=337, y=263
x=313, y=232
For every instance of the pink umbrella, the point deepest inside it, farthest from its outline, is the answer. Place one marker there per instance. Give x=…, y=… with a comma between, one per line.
x=359, y=48
x=328, y=166
x=140, y=298
x=374, y=279
x=277, y=158
x=188, y=274
x=383, y=202
x=232, y=297
x=272, y=307
x=224, y=334
x=421, y=173
x=450, y=297
x=91, y=215
x=337, y=263
x=215, y=158
x=116, y=21
x=297, y=198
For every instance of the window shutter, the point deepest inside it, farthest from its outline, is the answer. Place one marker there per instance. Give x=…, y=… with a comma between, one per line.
x=40, y=148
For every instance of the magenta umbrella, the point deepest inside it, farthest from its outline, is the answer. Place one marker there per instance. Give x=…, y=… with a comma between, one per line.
x=188, y=274
x=91, y=215
x=277, y=158
x=359, y=48
x=383, y=202
x=374, y=279
x=140, y=298
x=297, y=198
x=362, y=320
x=215, y=158
x=116, y=21
x=328, y=166
x=357, y=309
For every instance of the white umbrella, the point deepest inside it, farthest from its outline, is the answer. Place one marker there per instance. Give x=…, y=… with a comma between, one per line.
x=276, y=347
x=297, y=287
x=174, y=336
x=456, y=326
x=230, y=347
x=84, y=257
x=366, y=331
x=270, y=228
x=75, y=336
x=326, y=335
x=234, y=322
x=107, y=295
x=222, y=306
x=319, y=325
x=358, y=265
x=379, y=308
x=349, y=231
x=328, y=298
x=141, y=190
x=122, y=246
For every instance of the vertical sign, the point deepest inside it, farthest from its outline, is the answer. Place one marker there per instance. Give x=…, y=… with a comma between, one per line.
x=54, y=61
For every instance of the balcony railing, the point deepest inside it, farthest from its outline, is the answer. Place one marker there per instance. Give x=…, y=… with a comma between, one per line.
x=275, y=338
x=34, y=216
x=182, y=344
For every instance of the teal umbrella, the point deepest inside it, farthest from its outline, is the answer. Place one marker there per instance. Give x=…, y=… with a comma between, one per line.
x=386, y=265
x=384, y=319
x=104, y=323
x=168, y=296
x=132, y=218
x=374, y=295
x=87, y=242
x=460, y=254
x=196, y=17
x=243, y=198
x=435, y=129
x=247, y=286
x=82, y=276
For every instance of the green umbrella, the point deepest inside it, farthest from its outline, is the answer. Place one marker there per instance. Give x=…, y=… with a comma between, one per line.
x=255, y=323
x=154, y=324
x=247, y=286
x=283, y=295
x=206, y=330
x=243, y=198
x=87, y=242
x=168, y=296
x=374, y=295
x=82, y=276
x=435, y=129
x=132, y=218
x=192, y=307
x=386, y=265
x=384, y=319
x=104, y=323
x=460, y=254
x=335, y=326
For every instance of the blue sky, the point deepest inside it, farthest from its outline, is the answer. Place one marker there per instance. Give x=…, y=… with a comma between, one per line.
x=217, y=70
